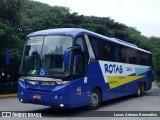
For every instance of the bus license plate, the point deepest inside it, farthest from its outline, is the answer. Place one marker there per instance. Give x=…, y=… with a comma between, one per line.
x=37, y=97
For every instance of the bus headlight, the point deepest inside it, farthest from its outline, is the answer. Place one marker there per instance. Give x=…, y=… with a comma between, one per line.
x=62, y=82
x=21, y=79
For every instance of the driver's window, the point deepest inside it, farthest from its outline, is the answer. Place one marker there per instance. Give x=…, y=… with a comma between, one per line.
x=80, y=58
x=81, y=41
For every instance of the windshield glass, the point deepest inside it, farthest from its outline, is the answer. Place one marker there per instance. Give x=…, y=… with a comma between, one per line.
x=44, y=56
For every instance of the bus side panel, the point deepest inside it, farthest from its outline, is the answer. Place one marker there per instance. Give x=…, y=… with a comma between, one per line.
x=122, y=79
x=149, y=79
x=79, y=93
x=95, y=78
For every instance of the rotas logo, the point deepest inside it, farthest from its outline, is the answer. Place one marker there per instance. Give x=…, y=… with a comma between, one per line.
x=113, y=68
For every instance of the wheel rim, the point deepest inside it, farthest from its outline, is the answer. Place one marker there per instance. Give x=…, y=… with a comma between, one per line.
x=139, y=91
x=94, y=99
x=142, y=88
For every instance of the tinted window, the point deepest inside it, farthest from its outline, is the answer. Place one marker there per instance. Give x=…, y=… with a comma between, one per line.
x=109, y=51
x=82, y=59
x=122, y=54
x=132, y=56
x=81, y=41
x=97, y=45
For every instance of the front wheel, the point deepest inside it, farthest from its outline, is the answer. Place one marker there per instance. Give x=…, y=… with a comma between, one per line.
x=95, y=100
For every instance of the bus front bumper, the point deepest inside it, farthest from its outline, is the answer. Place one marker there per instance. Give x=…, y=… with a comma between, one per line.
x=45, y=98
x=54, y=99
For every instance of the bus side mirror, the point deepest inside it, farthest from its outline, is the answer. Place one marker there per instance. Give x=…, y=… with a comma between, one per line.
x=67, y=55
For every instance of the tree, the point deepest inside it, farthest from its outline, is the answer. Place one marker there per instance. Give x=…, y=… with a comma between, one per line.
x=8, y=41
x=21, y=17
x=10, y=10
x=156, y=62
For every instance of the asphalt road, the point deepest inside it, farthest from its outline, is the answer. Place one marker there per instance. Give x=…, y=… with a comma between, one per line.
x=149, y=102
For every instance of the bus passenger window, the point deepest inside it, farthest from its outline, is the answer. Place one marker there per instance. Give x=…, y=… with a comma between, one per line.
x=100, y=49
x=94, y=43
x=132, y=56
x=127, y=54
x=97, y=45
x=115, y=53
x=109, y=51
x=122, y=54
x=142, y=58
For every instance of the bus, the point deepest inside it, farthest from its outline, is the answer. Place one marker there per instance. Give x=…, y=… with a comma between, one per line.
x=72, y=67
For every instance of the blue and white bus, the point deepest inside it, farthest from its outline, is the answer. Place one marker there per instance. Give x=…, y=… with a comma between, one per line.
x=73, y=67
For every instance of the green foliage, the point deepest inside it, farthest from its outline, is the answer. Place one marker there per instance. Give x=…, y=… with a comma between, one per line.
x=154, y=45
x=11, y=9
x=156, y=61
x=8, y=41
x=37, y=16
x=20, y=17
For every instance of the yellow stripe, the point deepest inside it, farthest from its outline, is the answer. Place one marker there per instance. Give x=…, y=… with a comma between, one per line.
x=115, y=81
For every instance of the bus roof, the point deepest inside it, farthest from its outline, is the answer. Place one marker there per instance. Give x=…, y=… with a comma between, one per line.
x=74, y=32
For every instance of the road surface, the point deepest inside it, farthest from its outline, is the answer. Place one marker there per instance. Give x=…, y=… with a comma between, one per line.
x=149, y=102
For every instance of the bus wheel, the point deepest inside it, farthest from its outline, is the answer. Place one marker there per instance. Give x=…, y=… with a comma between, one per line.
x=138, y=93
x=95, y=100
x=142, y=89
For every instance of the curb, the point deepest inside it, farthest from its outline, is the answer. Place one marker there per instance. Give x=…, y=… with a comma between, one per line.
x=8, y=95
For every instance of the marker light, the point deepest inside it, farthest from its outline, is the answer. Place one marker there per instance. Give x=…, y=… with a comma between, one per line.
x=21, y=100
x=61, y=105
x=55, y=97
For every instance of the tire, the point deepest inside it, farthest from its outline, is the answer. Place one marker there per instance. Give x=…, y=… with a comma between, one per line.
x=138, y=93
x=95, y=99
x=142, y=89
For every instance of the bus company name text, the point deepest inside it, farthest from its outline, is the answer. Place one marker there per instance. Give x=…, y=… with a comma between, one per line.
x=113, y=68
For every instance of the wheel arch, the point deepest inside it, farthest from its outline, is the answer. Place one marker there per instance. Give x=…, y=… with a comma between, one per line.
x=100, y=90
x=144, y=84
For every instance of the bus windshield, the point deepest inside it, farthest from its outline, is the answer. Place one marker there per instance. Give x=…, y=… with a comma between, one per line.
x=44, y=56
